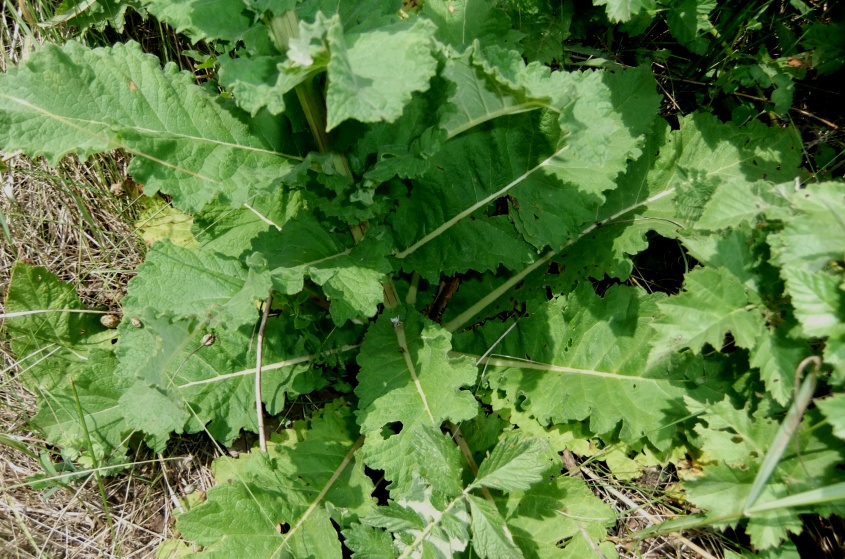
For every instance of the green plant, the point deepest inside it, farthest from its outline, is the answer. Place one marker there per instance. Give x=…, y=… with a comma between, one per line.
x=397, y=199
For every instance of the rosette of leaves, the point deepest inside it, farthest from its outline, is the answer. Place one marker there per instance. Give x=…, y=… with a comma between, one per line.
x=368, y=165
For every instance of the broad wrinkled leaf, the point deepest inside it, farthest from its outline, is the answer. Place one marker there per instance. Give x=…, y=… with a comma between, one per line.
x=213, y=383
x=730, y=251
x=373, y=74
x=409, y=383
x=460, y=22
x=230, y=231
x=186, y=143
x=407, y=376
x=586, y=360
x=49, y=345
x=195, y=282
x=298, y=485
x=419, y=451
x=556, y=511
x=778, y=356
x=484, y=90
x=95, y=391
x=738, y=201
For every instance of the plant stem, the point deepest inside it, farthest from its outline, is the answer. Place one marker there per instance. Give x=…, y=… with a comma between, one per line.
x=460, y=320
x=284, y=28
x=259, y=409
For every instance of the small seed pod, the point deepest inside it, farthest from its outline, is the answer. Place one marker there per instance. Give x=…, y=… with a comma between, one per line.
x=209, y=339
x=117, y=189
x=110, y=321
x=135, y=322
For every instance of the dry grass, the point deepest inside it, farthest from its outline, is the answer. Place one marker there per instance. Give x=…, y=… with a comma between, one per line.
x=74, y=221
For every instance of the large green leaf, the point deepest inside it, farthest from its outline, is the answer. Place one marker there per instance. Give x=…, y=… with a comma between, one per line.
x=420, y=451
x=460, y=22
x=373, y=74
x=409, y=383
x=304, y=486
x=91, y=395
x=186, y=142
x=562, y=509
x=212, y=386
x=194, y=282
x=586, y=361
x=407, y=376
x=713, y=303
x=54, y=334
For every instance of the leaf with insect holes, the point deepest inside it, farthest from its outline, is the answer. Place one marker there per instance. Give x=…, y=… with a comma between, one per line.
x=186, y=142
x=407, y=375
x=53, y=341
x=418, y=451
x=407, y=381
x=305, y=485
